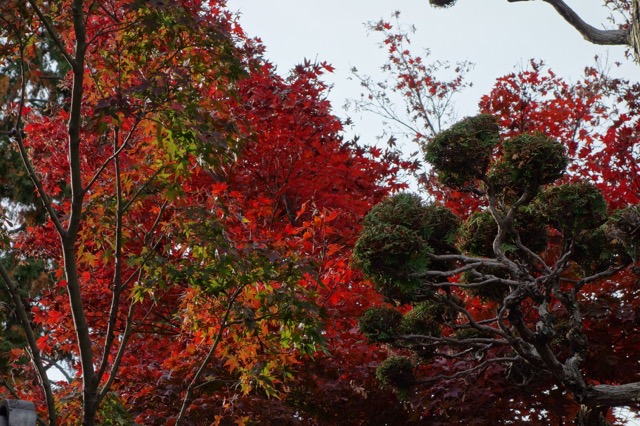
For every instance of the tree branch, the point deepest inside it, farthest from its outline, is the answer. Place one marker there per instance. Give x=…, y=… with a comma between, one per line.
x=116, y=287
x=34, y=351
x=480, y=366
x=17, y=133
x=223, y=325
x=53, y=34
x=589, y=32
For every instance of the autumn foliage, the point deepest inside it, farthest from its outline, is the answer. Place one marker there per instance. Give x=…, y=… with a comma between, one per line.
x=179, y=221
x=541, y=124
x=192, y=230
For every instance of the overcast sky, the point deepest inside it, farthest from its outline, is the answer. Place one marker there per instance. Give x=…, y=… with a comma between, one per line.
x=495, y=35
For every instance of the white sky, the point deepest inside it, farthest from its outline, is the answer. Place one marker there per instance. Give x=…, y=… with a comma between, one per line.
x=494, y=34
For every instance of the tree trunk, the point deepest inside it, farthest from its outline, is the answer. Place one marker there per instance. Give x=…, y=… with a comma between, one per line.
x=592, y=416
x=634, y=36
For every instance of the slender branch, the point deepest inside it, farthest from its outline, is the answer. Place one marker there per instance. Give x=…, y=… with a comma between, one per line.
x=532, y=254
x=117, y=152
x=223, y=325
x=54, y=35
x=490, y=280
x=10, y=388
x=449, y=273
x=118, y=358
x=467, y=259
x=473, y=323
x=140, y=189
x=480, y=366
x=116, y=287
x=17, y=133
x=34, y=351
x=69, y=239
x=447, y=341
x=604, y=274
x=383, y=109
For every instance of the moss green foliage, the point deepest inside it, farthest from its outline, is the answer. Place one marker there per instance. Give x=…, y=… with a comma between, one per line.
x=573, y=207
x=529, y=160
x=479, y=230
x=391, y=253
x=593, y=250
x=477, y=234
x=462, y=153
x=380, y=324
x=399, y=235
x=469, y=333
x=442, y=3
x=624, y=229
x=396, y=371
x=394, y=241
x=423, y=319
x=440, y=225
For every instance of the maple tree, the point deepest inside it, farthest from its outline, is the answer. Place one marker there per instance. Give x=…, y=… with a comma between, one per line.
x=628, y=33
x=301, y=189
x=307, y=184
x=186, y=219
x=595, y=120
x=140, y=258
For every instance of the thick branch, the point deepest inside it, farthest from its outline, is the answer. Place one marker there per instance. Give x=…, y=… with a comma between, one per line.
x=589, y=32
x=617, y=396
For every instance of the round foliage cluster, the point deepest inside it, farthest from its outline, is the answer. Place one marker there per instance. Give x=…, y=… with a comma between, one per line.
x=398, y=236
x=423, y=319
x=479, y=231
x=380, y=324
x=593, y=251
x=529, y=160
x=387, y=252
x=624, y=228
x=393, y=243
x=442, y=3
x=461, y=154
x=477, y=234
x=401, y=295
x=402, y=209
x=441, y=226
x=627, y=223
x=573, y=207
x=396, y=371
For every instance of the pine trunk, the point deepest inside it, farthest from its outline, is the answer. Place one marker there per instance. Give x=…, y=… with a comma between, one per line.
x=634, y=37
x=592, y=416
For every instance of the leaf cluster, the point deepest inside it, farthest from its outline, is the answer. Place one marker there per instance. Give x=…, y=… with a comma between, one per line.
x=461, y=154
x=529, y=161
x=398, y=237
x=574, y=207
x=396, y=371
